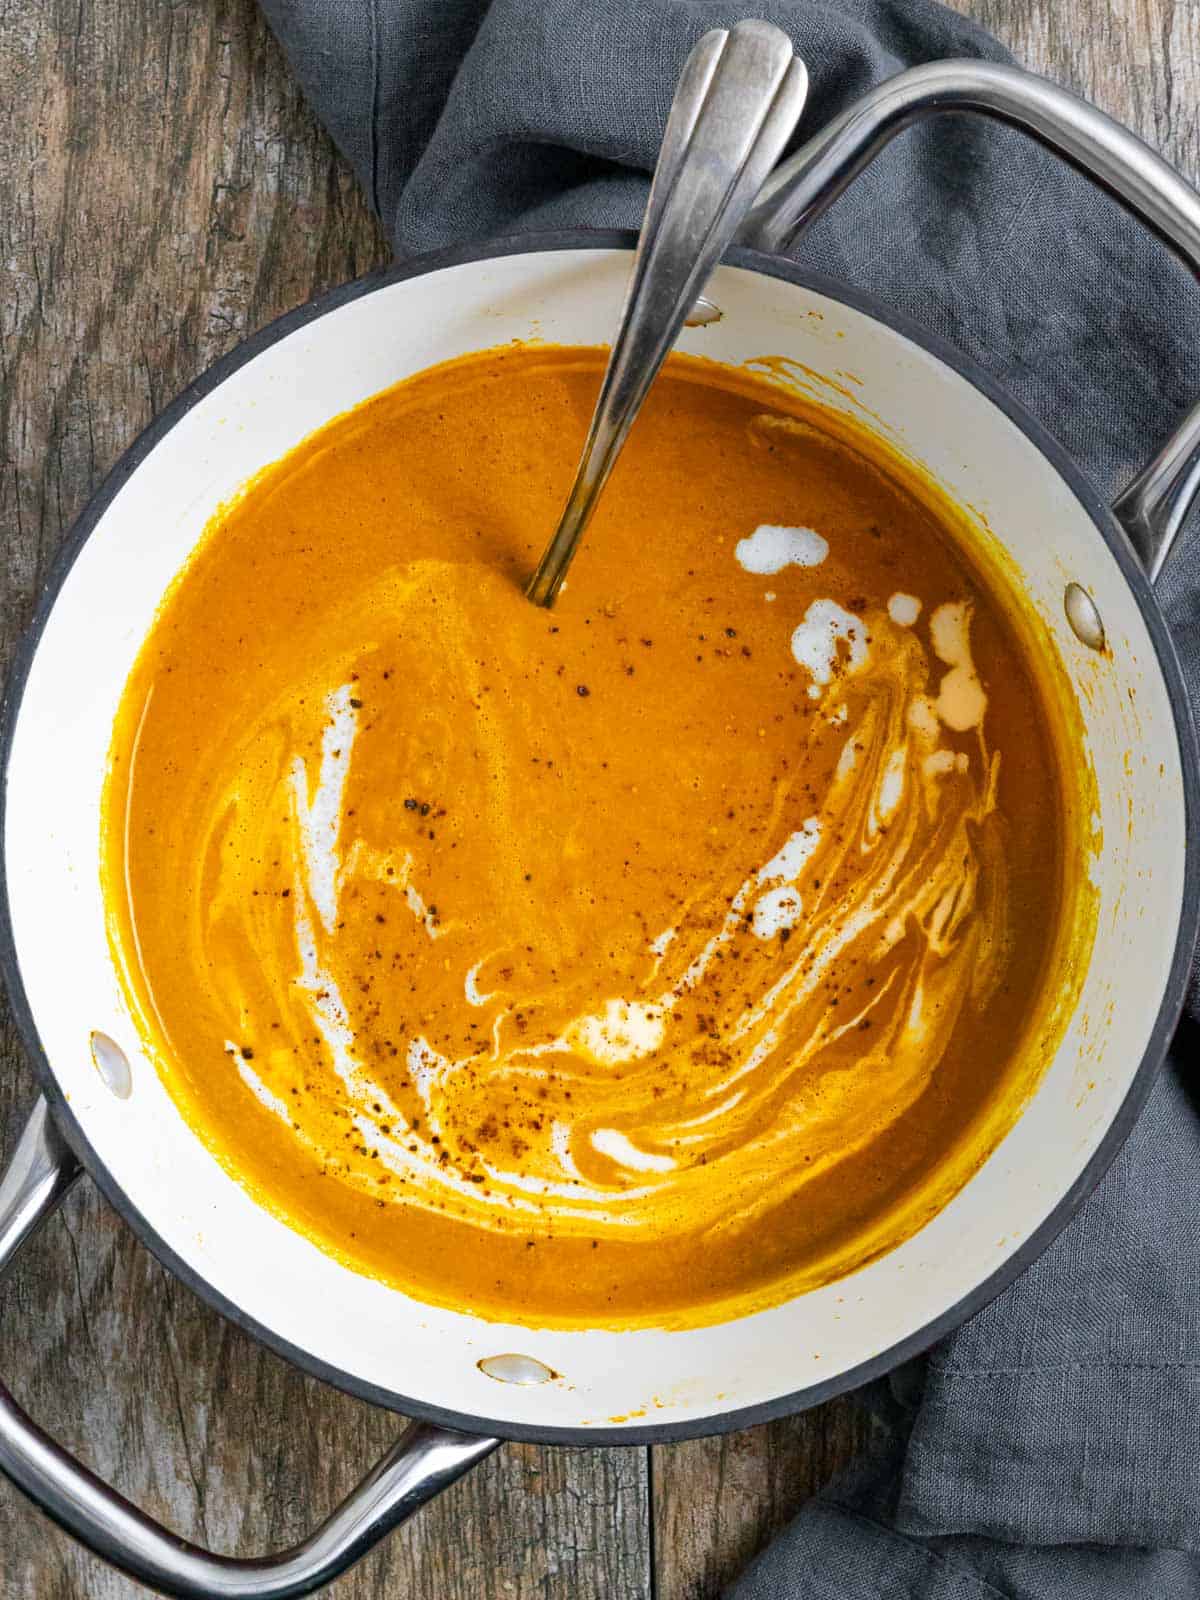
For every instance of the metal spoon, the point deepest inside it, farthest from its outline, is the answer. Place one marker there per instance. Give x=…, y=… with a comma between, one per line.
x=739, y=98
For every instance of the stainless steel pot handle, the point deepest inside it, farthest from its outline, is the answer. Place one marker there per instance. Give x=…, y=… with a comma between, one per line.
x=1152, y=507
x=424, y=1461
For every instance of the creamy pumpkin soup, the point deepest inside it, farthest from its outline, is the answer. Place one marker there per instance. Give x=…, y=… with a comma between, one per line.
x=647, y=960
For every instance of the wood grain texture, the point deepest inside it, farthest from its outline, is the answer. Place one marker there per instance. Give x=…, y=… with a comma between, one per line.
x=717, y=1502
x=164, y=192
x=1139, y=60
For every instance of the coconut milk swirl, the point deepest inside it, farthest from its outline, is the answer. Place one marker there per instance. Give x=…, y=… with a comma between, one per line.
x=788, y=1014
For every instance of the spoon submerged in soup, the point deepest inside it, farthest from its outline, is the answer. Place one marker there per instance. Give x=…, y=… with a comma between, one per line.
x=739, y=98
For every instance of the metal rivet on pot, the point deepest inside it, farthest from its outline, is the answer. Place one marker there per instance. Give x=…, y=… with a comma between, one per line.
x=112, y=1064
x=702, y=313
x=516, y=1369
x=1083, y=617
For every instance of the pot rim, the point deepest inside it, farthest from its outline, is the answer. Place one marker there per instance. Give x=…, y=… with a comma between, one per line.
x=1174, y=992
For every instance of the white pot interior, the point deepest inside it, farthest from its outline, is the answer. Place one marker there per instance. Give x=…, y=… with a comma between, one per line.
x=373, y=1333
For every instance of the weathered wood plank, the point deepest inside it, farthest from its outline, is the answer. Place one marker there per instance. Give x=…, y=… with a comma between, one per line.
x=164, y=192
x=717, y=1501
x=1139, y=60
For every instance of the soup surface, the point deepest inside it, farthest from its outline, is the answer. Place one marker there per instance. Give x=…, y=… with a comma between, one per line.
x=647, y=960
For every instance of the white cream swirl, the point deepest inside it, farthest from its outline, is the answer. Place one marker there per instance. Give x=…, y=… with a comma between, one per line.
x=767, y=1035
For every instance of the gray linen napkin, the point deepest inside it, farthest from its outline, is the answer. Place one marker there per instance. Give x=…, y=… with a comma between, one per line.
x=1051, y=1447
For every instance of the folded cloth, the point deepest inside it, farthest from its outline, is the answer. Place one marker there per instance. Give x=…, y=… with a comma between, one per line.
x=1051, y=1447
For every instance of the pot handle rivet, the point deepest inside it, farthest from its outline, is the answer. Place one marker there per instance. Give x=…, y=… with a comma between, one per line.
x=112, y=1064
x=702, y=313
x=1085, y=620
x=516, y=1369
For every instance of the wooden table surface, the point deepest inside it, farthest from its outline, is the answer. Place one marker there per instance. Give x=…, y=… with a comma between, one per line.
x=164, y=191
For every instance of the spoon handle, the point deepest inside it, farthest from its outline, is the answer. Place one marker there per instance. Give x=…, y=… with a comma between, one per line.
x=738, y=100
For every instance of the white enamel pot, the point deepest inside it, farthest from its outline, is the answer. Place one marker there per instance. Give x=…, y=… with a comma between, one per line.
x=590, y=1386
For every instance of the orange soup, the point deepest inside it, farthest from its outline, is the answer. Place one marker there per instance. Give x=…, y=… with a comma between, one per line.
x=648, y=960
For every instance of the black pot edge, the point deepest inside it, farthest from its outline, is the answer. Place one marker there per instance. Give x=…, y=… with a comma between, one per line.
x=1168, y=1013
